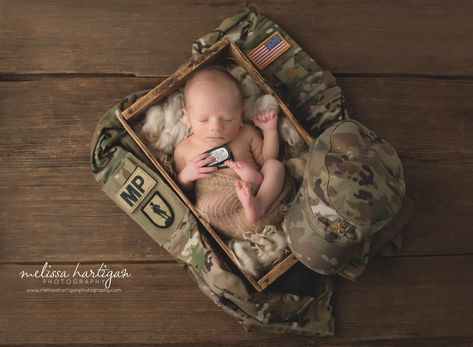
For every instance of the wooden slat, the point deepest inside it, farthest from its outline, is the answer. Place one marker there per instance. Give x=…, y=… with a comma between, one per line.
x=429, y=123
x=54, y=59
x=399, y=299
x=223, y=48
x=154, y=38
x=55, y=208
x=408, y=297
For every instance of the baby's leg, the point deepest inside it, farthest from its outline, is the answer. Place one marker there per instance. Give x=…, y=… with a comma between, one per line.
x=246, y=172
x=257, y=206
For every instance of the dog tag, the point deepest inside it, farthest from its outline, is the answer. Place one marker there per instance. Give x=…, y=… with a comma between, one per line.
x=220, y=154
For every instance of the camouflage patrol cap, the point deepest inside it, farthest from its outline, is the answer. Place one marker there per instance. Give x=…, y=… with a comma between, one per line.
x=353, y=185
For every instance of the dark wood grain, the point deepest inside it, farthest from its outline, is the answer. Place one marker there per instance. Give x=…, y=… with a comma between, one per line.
x=401, y=298
x=55, y=207
x=421, y=37
x=430, y=123
x=406, y=70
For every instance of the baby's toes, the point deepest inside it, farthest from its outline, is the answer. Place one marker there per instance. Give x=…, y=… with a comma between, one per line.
x=239, y=190
x=246, y=188
x=238, y=185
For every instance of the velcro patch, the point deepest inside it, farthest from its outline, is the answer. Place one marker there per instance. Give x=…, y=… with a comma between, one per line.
x=269, y=50
x=135, y=189
x=158, y=211
x=291, y=72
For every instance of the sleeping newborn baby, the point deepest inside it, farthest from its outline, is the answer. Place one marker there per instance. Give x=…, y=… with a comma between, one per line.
x=213, y=106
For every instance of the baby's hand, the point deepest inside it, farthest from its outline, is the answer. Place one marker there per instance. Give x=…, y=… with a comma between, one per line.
x=195, y=168
x=266, y=120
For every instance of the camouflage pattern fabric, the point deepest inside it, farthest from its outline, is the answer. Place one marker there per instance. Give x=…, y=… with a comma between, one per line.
x=353, y=186
x=310, y=92
x=117, y=163
x=312, y=95
x=299, y=301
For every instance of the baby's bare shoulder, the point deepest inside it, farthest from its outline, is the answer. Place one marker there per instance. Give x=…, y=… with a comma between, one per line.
x=181, y=145
x=188, y=148
x=249, y=131
x=183, y=153
x=182, y=148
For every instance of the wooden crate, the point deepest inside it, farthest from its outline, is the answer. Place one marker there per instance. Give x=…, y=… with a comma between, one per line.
x=224, y=48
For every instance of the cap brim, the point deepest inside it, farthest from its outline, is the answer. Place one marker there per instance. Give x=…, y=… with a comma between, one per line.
x=310, y=248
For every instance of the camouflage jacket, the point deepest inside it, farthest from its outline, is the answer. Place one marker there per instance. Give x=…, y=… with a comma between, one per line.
x=299, y=301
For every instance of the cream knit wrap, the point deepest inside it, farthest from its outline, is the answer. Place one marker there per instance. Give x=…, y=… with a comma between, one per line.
x=218, y=202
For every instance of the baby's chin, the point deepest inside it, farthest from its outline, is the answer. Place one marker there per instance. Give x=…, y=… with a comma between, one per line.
x=214, y=142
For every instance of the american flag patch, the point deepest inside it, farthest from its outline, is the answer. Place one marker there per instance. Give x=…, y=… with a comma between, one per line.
x=269, y=50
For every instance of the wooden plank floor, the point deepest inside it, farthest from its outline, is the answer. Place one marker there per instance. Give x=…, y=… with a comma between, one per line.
x=406, y=69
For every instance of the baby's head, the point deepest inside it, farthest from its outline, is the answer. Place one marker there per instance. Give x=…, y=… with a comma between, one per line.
x=213, y=105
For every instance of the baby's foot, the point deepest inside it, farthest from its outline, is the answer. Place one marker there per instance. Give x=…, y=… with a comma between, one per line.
x=247, y=200
x=246, y=172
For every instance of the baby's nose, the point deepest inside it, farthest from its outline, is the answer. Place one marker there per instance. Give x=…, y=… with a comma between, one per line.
x=216, y=126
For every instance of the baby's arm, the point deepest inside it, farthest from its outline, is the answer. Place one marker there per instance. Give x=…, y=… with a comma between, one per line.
x=193, y=169
x=180, y=164
x=267, y=121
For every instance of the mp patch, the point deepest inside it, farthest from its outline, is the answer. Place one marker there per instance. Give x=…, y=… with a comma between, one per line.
x=135, y=189
x=269, y=50
x=158, y=211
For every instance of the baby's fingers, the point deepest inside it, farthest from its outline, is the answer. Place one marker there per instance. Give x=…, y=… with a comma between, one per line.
x=266, y=117
x=199, y=157
x=270, y=114
x=261, y=117
x=206, y=160
x=233, y=164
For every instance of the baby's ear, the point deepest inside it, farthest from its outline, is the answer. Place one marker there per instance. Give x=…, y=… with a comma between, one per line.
x=186, y=115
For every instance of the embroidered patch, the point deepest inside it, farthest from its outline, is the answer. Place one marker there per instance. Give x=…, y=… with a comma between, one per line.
x=135, y=189
x=158, y=211
x=269, y=50
x=291, y=72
